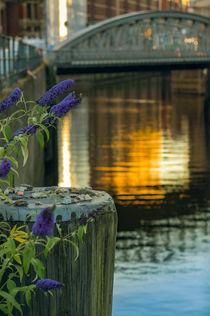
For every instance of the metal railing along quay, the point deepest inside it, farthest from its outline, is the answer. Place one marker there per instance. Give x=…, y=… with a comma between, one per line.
x=16, y=59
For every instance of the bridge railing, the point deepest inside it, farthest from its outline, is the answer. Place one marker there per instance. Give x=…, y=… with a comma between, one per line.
x=78, y=58
x=16, y=58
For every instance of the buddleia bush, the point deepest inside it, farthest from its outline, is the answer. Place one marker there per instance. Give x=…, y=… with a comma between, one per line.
x=21, y=250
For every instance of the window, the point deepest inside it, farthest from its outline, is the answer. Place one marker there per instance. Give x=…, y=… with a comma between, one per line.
x=29, y=10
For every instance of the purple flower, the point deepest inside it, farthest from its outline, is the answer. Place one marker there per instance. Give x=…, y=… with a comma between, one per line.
x=48, y=284
x=83, y=221
x=45, y=222
x=30, y=129
x=11, y=99
x=93, y=214
x=65, y=105
x=5, y=167
x=55, y=91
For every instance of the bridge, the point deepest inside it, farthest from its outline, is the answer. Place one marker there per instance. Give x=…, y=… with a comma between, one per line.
x=136, y=39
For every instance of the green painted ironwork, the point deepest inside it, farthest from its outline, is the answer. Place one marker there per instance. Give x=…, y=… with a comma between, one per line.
x=139, y=38
x=16, y=58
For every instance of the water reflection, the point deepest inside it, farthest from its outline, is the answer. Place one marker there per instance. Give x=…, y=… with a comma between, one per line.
x=162, y=240
x=147, y=145
x=142, y=158
x=74, y=148
x=134, y=139
x=64, y=158
x=162, y=268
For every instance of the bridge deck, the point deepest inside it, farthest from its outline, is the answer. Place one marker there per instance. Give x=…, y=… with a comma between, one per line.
x=138, y=39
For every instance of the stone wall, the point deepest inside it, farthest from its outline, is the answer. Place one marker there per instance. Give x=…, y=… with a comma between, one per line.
x=33, y=88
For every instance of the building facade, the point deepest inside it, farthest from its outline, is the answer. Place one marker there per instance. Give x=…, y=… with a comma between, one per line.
x=22, y=18
x=103, y=9
x=56, y=20
x=64, y=18
x=201, y=7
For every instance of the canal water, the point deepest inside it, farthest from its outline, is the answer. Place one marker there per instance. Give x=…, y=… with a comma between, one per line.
x=143, y=138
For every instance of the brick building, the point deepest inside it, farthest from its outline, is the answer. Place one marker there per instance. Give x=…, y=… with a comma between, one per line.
x=201, y=7
x=102, y=9
x=65, y=17
x=21, y=18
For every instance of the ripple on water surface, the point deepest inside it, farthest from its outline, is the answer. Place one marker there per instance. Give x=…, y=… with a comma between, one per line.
x=146, y=143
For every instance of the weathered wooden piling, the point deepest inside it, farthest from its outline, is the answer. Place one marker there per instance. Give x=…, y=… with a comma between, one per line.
x=89, y=280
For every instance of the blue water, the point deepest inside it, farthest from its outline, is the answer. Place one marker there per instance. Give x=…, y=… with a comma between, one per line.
x=182, y=289
x=166, y=278
x=165, y=292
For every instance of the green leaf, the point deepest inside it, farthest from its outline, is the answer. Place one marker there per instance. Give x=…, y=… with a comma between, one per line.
x=11, y=245
x=25, y=154
x=17, y=258
x=20, y=271
x=17, y=150
x=38, y=268
x=4, y=266
x=6, y=197
x=13, y=275
x=73, y=235
x=10, y=299
x=15, y=171
x=28, y=254
x=29, y=121
x=3, y=252
x=85, y=228
x=4, y=181
x=40, y=138
x=7, y=131
x=1, y=152
x=24, y=140
x=45, y=130
x=3, y=308
x=4, y=224
x=43, y=115
x=51, y=242
x=80, y=233
x=13, y=230
x=11, y=285
x=10, y=178
x=59, y=229
x=75, y=247
x=34, y=120
x=28, y=298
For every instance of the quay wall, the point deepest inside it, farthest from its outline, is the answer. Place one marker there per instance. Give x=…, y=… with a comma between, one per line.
x=33, y=87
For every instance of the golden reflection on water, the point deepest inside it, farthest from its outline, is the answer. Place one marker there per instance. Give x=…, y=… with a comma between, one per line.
x=145, y=163
x=64, y=174
x=129, y=143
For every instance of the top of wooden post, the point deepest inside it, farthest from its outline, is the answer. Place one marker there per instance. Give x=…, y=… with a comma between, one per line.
x=70, y=202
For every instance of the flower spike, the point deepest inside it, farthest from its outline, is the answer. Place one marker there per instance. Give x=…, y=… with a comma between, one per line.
x=55, y=91
x=11, y=99
x=45, y=222
x=48, y=284
x=5, y=167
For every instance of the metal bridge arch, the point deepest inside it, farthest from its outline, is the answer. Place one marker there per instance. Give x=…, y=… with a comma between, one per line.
x=151, y=37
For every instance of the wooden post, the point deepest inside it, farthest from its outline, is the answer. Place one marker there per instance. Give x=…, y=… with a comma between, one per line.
x=89, y=280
